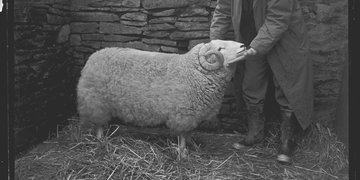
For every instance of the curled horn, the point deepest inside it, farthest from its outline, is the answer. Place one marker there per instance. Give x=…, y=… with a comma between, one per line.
x=210, y=58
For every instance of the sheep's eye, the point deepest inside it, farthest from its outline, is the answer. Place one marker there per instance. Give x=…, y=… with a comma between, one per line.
x=220, y=48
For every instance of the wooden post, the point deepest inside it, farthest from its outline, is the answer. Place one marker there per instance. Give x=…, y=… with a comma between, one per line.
x=342, y=112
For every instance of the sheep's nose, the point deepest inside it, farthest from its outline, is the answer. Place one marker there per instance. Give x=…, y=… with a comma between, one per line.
x=244, y=46
x=242, y=49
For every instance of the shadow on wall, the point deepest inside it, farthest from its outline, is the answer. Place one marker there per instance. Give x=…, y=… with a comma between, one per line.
x=44, y=82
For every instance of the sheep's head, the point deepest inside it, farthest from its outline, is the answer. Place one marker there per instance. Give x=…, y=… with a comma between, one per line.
x=219, y=53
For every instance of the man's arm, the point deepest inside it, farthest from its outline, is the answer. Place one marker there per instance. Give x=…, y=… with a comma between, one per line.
x=276, y=23
x=221, y=20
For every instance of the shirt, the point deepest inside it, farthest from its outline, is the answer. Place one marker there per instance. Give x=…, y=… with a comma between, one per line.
x=247, y=25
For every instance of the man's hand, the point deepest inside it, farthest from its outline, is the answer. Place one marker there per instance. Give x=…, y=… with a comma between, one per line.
x=243, y=55
x=250, y=52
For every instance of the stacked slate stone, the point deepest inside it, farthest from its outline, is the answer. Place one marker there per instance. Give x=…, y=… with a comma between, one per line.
x=153, y=25
x=327, y=23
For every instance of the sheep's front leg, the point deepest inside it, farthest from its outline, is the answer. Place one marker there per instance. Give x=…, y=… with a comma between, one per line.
x=183, y=152
x=181, y=124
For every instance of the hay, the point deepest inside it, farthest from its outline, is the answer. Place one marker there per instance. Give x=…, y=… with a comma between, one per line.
x=74, y=155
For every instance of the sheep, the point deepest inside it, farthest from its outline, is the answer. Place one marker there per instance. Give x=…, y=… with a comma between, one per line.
x=153, y=88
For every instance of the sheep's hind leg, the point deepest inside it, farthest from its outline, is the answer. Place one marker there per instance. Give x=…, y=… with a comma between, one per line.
x=93, y=110
x=97, y=118
x=99, y=131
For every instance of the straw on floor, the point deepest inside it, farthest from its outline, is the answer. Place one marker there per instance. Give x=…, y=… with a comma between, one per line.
x=74, y=155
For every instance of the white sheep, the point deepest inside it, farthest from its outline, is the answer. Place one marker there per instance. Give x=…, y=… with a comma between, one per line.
x=151, y=88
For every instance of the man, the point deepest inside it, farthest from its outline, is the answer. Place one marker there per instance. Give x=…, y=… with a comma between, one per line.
x=275, y=33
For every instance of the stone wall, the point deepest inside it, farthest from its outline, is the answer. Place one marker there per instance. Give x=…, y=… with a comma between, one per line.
x=165, y=26
x=327, y=22
x=42, y=69
x=54, y=38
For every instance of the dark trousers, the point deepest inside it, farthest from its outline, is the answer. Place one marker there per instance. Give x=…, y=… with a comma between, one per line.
x=255, y=83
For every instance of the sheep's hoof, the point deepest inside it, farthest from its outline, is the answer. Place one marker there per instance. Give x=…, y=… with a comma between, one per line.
x=284, y=159
x=238, y=146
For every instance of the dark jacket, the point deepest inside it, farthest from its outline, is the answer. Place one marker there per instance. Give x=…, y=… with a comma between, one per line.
x=281, y=36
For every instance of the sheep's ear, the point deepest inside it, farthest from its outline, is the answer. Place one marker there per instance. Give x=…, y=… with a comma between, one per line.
x=210, y=58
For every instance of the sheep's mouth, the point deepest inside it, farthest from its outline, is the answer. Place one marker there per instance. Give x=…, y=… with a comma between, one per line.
x=239, y=53
x=239, y=56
